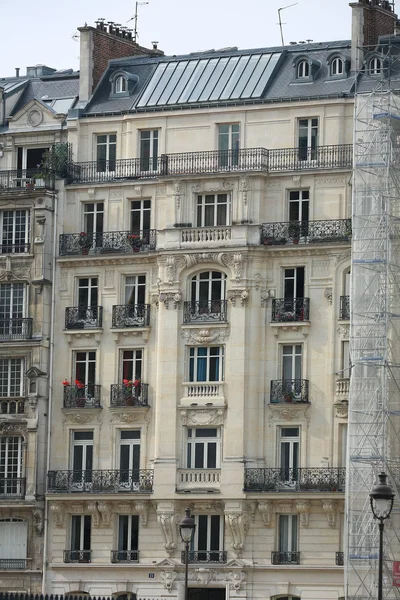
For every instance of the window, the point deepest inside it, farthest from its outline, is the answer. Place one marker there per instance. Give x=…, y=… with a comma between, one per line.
x=106, y=152
x=135, y=289
x=203, y=448
x=303, y=70
x=85, y=370
x=228, y=144
x=13, y=543
x=132, y=364
x=14, y=231
x=308, y=139
x=28, y=163
x=291, y=362
x=288, y=453
x=206, y=363
x=82, y=459
x=129, y=459
x=149, y=150
x=287, y=538
x=213, y=210
x=337, y=67
x=120, y=85
x=140, y=215
x=207, y=295
x=11, y=483
x=207, y=543
x=375, y=66
x=294, y=283
x=299, y=201
x=81, y=526
x=12, y=309
x=11, y=377
x=128, y=538
x=93, y=214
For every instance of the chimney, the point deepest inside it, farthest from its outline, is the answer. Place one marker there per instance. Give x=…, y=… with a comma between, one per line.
x=16, y=71
x=100, y=44
x=370, y=19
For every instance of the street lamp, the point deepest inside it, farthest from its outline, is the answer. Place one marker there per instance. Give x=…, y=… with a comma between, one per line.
x=381, y=498
x=186, y=531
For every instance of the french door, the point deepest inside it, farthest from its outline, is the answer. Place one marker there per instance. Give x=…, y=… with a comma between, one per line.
x=129, y=459
x=82, y=459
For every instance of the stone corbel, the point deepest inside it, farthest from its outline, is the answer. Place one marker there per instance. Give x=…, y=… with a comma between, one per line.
x=167, y=521
x=168, y=578
x=93, y=510
x=303, y=507
x=241, y=294
x=171, y=297
x=238, y=522
x=330, y=509
x=236, y=263
x=142, y=509
x=58, y=510
x=267, y=510
x=237, y=578
x=328, y=294
x=39, y=523
x=105, y=509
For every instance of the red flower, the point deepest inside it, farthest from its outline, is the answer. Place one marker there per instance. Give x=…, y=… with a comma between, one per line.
x=136, y=383
x=127, y=382
x=83, y=234
x=66, y=382
x=79, y=384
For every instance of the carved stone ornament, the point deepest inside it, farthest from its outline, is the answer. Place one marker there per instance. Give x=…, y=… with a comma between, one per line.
x=205, y=336
x=93, y=510
x=168, y=578
x=168, y=524
x=178, y=192
x=13, y=274
x=242, y=295
x=341, y=409
x=58, y=510
x=267, y=510
x=236, y=262
x=78, y=418
x=105, y=510
x=142, y=509
x=344, y=256
x=207, y=507
x=244, y=186
x=39, y=522
x=130, y=417
x=174, y=298
x=238, y=522
x=34, y=373
x=13, y=429
x=303, y=507
x=284, y=507
x=237, y=578
x=197, y=417
x=330, y=509
x=289, y=412
x=343, y=331
x=328, y=294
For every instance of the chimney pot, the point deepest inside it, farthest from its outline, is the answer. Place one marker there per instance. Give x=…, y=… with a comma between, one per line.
x=154, y=45
x=17, y=71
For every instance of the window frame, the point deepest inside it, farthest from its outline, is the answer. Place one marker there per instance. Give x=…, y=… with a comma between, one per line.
x=20, y=238
x=149, y=149
x=120, y=85
x=138, y=291
x=293, y=540
x=12, y=360
x=308, y=153
x=90, y=373
x=191, y=441
x=108, y=163
x=375, y=66
x=93, y=220
x=202, y=204
x=194, y=544
x=337, y=67
x=303, y=69
x=142, y=209
x=193, y=358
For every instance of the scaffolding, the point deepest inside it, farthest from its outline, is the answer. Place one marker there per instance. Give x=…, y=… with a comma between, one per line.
x=374, y=402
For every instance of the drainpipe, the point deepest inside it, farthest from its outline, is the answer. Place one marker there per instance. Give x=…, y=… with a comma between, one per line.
x=3, y=107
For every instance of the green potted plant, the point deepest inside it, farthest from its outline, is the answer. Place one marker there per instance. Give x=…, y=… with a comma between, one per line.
x=289, y=395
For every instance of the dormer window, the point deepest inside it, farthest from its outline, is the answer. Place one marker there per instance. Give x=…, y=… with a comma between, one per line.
x=375, y=66
x=120, y=85
x=303, y=70
x=337, y=67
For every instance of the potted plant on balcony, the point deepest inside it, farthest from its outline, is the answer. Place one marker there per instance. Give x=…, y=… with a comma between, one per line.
x=294, y=231
x=289, y=395
x=80, y=395
x=84, y=242
x=135, y=241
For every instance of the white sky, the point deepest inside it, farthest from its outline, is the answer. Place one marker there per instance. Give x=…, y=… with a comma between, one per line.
x=42, y=33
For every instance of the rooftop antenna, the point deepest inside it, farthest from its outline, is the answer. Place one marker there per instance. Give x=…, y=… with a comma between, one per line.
x=135, y=18
x=280, y=21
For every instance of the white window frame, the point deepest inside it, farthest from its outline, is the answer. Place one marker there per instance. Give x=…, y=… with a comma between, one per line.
x=150, y=162
x=129, y=547
x=120, y=84
x=293, y=537
x=193, y=441
x=303, y=69
x=337, y=66
x=375, y=66
x=11, y=456
x=13, y=365
x=110, y=145
x=144, y=212
x=14, y=247
x=195, y=540
x=88, y=361
x=312, y=140
x=297, y=351
x=16, y=546
x=135, y=289
x=201, y=204
x=84, y=443
x=20, y=307
x=82, y=528
x=97, y=214
x=197, y=282
x=137, y=362
x=287, y=277
x=303, y=202
x=292, y=441
x=193, y=356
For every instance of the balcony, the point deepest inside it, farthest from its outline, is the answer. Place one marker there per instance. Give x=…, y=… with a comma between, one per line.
x=122, y=396
x=202, y=235
x=287, y=391
x=214, y=161
x=22, y=247
x=124, y=556
x=15, y=329
x=339, y=559
x=82, y=396
x=205, y=312
x=198, y=479
x=344, y=311
x=311, y=479
x=138, y=481
x=24, y=180
x=306, y=232
x=77, y=556
x=13, y=564
x=343, y=388
x=290, y=310
x=83, y=317
x=285, y=558
x=13, y=487
x=130, y=315
x=203, y=392
x=205, y=556
x=12, y=406
x=110, y=242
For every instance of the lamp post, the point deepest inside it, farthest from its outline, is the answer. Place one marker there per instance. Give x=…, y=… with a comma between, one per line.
x=186, y=531
x=381, y=498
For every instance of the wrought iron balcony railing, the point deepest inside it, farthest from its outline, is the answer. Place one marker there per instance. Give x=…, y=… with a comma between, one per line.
x=12, y=406
x=123, y=395
x=310, y=479
x=214, y=161
x=19, y=328
x=285, y=558
x=118, y=556
x=139, y=481
x=288, y=310
x=340, y=559
x=9, y=564
x=12, y=487
x=77, y=556
x=205, y=312
x=344, y=313
x=205, y=556
x=83, y=317
x=131, y=315
x=289, y=390
x=82, y=396
x=25, y=179
x=110, y=242
x=306, y=232
x=18, y=248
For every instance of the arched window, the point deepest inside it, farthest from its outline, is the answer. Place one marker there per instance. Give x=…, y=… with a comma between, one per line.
x=337, y=67
x=13, y=543
x=207, y=297
x=375, y=66
x=303, y=69
x=120, y=85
